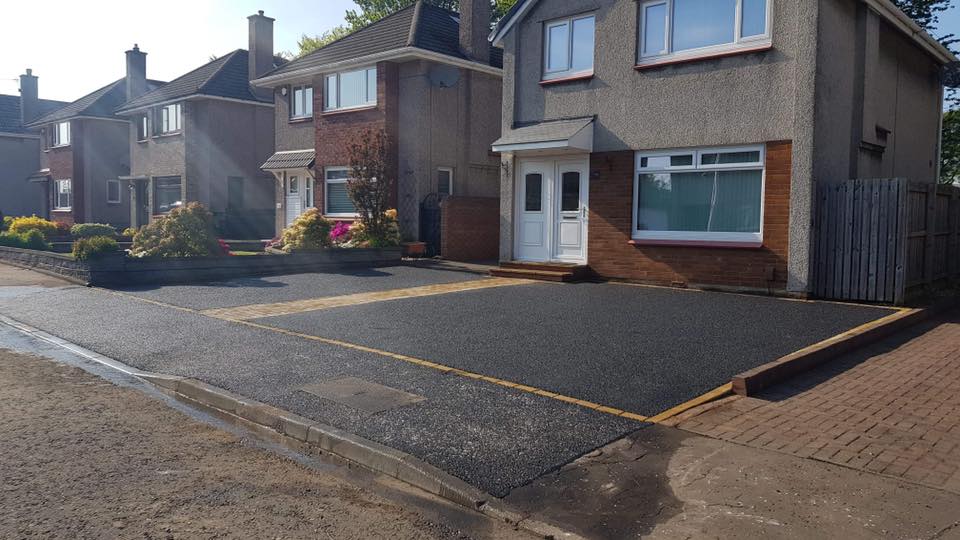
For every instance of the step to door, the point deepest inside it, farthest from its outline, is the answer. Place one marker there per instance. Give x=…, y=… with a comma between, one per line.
x=561, y=272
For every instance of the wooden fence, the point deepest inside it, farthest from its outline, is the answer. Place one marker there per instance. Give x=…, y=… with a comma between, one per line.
x=884, y=240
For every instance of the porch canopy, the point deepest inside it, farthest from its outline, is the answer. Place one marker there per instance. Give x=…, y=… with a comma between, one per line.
x=42, y=175
x=290, y=159
x=558, y=136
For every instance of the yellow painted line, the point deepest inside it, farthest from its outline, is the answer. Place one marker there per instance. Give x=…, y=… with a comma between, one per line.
x=410, y=360
x=712, y=395
x=258, y=311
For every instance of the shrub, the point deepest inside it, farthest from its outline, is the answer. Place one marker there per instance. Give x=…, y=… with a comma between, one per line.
x=32, y=239
x=130, y=232
x=371, y=183
x=187, y=231
x=63, y=229
x=390, y=237
x=309, y=231
x=5, y=224
x=92, y=247
x=21, y=225
x=340, y=234
x=89, y=230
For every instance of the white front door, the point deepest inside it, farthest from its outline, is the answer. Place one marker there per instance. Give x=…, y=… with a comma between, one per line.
x=551, y=210
x=294, y=187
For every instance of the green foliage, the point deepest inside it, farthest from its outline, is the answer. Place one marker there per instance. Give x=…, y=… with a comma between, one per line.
x=88, y=230
x=7, y=220
x=371, y=11
x=390, y=237
x=22, y=225
x=371, y=181
x=130, y=231
x=92, y=247
x=186, y=231
x=950, y=150
x=926, y=13
x=310, y=231
x=31, y=239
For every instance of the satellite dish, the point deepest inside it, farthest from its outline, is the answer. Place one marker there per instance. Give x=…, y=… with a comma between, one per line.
x=444, y=76
x=950, y=75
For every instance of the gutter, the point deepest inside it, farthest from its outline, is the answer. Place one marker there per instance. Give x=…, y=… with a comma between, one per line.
x=905, y=24
x=395, y=54
x=192, y=97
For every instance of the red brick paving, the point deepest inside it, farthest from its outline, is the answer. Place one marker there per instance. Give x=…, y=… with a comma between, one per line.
x=892, y=408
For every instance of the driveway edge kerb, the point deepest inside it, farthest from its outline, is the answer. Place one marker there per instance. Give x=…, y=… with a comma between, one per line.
x=369, y=454
x=751, y=382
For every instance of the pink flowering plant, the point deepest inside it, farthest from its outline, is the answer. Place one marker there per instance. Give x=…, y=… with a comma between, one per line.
x=340, y=234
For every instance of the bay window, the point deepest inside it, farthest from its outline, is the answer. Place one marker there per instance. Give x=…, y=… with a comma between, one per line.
x=350, y=89
x=63, y=196
x=336, y=198
x=301, y=102
x=691, y=28
x=703, y=195
x=568, y=47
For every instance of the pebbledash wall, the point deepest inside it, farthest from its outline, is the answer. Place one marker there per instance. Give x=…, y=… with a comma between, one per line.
x=611, y=212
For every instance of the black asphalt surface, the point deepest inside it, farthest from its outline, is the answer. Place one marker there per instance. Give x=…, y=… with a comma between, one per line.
x=264, y=290
x=490, y=436
x=640, y=349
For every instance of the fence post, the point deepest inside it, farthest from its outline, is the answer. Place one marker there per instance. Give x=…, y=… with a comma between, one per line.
x=903, y=231
x=929, y=238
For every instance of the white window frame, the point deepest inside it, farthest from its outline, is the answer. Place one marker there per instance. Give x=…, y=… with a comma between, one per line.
x=326, y=192
x=568, y=71
x=666, y=55
x=371, y=101
x=143, y=124
x=448, y=170
x=170, y=119
x=59, y=191
x=700, y=236
x=119, y=199
x=307, y=104
x=56, y=137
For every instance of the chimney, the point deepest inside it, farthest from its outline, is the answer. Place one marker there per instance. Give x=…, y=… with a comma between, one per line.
x=474, y=27
x=136, y=72
x=260, y=55
x=29, y=99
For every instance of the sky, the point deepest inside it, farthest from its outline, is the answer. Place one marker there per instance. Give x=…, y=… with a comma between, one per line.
x=76, y=47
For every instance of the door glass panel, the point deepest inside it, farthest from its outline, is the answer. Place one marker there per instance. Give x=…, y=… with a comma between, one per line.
x=533, y=193
x=294, y=185
x=570, y=192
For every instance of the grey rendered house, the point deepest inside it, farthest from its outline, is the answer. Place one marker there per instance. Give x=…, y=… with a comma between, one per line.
x=85, y=151
x=679, y=142
x=20, y=150
x=427, y=76
x=202, y=137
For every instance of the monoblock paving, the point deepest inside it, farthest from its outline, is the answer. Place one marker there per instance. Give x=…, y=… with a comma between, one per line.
x=892, y=408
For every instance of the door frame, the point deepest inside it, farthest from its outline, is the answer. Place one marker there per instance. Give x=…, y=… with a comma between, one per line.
x=552, y=203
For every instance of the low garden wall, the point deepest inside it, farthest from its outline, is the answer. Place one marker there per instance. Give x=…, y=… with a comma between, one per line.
x=118, y=269
x=470, y=229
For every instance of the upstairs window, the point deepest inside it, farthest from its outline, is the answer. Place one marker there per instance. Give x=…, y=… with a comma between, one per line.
x=568, y=48
x=142, y=132
x=60, y=134
x=169, y=119
x=350, y=90
x=691, y=28
x=301, y=102
x=63, y=198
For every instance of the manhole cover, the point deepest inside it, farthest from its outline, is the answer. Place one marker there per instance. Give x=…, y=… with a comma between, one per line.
x=362, y=395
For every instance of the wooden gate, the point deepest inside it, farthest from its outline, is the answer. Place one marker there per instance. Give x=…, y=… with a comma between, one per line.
x=881, y=240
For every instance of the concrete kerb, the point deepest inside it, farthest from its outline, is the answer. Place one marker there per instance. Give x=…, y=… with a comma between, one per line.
x=345, y=445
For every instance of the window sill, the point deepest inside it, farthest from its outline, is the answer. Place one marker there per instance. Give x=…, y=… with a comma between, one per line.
x=571, y=78
x=63, y=210
x=143, y=141
x=345, y=111
x=708, y=56
x=166, y=135
x=696, y=243
x=344, y=217
x=57, y=147
x=300, y=119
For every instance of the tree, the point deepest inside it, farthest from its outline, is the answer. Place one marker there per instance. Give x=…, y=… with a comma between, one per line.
x=926, y=13
x=371, y=183
x=950, y=154
x=371, y=11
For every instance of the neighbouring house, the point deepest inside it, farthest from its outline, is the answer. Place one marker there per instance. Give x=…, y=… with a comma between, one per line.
x=679, y=142
x=20, y=150
x=202, y=137
x=425, y=75
x=85, y=151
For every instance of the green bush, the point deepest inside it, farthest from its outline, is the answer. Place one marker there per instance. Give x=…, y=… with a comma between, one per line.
x=186, y=231
x=21, y=225
x=89, y=230
x=7, y=220
x=32, y=239
x=309, y=231
x=130, y=231
x=92, y=247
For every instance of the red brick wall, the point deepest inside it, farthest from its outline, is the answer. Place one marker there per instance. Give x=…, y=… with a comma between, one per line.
x=63, y=165
x=611, y=214
x=335, y=130
x=470, y=229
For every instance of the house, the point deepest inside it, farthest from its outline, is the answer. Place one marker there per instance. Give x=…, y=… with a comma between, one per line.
x=425, y=75
x=202, y=137
x=679, y=142
x=85, y=151
x=20, y=149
